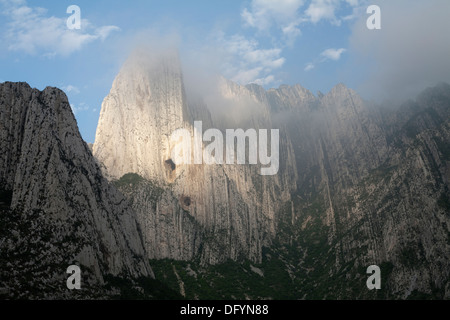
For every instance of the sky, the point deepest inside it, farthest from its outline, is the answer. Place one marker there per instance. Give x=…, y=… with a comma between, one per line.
x=314, y=43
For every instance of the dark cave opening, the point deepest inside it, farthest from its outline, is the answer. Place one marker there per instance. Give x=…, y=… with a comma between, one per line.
x=187, y=201
x=170, y=164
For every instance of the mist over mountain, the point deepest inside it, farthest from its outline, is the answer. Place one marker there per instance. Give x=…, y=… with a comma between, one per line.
x=357, y=185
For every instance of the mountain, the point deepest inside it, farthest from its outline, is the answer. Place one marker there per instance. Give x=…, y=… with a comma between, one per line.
x=56, y=208
x=357, y=185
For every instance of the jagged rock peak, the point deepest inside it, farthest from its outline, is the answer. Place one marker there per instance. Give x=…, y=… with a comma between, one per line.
x=147, y=97
x=341, y=90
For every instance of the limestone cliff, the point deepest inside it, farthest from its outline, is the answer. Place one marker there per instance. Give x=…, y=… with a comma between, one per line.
x=358, y=184
x=213, y=211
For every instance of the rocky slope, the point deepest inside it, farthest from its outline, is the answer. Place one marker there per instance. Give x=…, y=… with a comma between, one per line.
x=56, y=207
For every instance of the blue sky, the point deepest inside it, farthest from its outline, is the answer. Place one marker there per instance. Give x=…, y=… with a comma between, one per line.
x=316, y=43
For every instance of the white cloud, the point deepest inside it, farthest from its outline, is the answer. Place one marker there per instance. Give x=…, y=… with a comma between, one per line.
x=264, y=13
x=71, y=89
x=265, y=57
x=31, y=30
x=282, y=20
x=326, y=10
x=287, y=16
x=322, y=9
x=309, y=66
x=80, y=108
x=284, y=15
x=247, y=76
x=265, y=81
x=104, y=32
x=333, y=54
x=247, y=63
x=353, y=3
x=292, y=30
x=326, y=55
x=359, y=8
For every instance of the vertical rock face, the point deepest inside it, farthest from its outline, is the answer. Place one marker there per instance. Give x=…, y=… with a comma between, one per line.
x=213, y=211
x=60, y=210
x=357, y=184
x=145, y=105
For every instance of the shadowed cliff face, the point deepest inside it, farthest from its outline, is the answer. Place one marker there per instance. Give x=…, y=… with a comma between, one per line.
x=358, y=185
x=60, y=210
x=376, y=179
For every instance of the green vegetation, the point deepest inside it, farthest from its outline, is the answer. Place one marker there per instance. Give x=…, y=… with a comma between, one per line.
x=408, y=256
x=5, y=198
x=444, y=148
x=131, y=183
x=418, y=295
x=444, y=201
x=143, y=288
x=386, y=268
x=229, y=280
x=129, y=179
x=382, y=173
x=37, y=247
x=411, y=129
